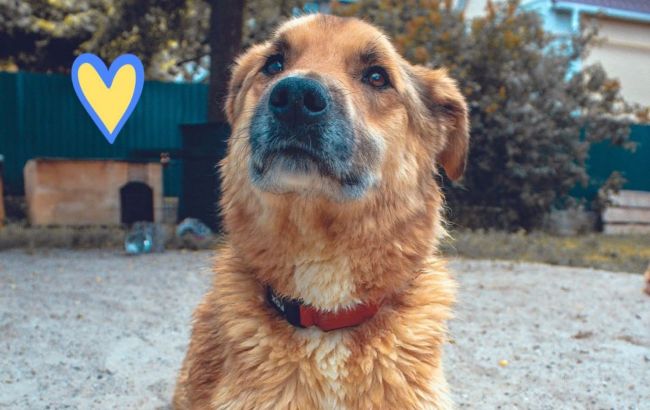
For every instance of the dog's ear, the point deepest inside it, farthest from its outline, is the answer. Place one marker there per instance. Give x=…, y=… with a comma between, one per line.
x=244, y=65
x=444, y=102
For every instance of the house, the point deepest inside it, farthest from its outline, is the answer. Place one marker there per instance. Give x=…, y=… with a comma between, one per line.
x=624, y=53
x=624, y=27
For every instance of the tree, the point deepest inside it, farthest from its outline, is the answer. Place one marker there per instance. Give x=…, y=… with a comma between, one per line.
x=170, y=36
x=261, y=17
x=226, y=19
x=173, y=38
x=228, y=35
x=533, y=118
x=46, y=36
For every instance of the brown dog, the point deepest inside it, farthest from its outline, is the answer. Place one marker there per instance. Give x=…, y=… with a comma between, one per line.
x=329, y=293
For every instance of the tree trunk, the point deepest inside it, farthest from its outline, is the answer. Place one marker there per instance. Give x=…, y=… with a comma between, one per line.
x=226, y=19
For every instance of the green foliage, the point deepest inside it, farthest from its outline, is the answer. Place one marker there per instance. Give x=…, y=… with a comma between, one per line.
x=39, y=35
x=46, y=35
x=261, y=17
x=532, y=118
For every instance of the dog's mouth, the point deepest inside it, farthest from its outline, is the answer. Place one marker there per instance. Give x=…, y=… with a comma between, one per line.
x=295, y=168
x=297, y=155
x=293, y=159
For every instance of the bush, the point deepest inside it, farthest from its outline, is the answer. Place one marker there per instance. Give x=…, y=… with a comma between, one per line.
x=532, y=117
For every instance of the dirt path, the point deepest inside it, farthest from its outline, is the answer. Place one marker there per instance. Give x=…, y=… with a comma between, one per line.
x=100, y=330
x=573, y=338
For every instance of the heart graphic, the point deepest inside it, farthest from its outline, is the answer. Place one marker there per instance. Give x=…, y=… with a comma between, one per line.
x=109, y=95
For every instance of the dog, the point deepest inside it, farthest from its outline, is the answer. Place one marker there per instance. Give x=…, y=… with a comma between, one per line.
x=329, y=292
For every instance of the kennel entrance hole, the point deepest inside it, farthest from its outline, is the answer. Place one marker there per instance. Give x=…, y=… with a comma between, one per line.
x=136, y=203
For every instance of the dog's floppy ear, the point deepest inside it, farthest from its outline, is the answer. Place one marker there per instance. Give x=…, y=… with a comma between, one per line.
x=245, y=64
x=443, y=100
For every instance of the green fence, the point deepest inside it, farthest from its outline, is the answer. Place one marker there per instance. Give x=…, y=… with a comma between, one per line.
x=40, y=116
x=604, y=158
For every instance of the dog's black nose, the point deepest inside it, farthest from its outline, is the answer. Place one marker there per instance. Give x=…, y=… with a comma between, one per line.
x=299, y=101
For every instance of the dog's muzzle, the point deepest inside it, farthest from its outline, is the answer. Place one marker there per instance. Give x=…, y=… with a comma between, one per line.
x=302, y=140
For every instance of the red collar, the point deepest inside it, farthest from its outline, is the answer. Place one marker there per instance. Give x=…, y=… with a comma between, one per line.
x=298, y=314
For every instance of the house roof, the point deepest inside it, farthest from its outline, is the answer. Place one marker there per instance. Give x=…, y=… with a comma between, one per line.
x=639, y=6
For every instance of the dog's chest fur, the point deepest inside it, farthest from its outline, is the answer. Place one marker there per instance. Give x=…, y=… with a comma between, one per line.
x=329, y=355
x=326, y=283
x=319, y=371
x=243, y=355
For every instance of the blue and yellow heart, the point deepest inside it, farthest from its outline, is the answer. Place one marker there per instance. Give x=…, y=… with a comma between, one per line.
x=109, y=95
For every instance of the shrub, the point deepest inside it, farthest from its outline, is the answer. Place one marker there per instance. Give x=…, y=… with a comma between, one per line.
x=533, y=116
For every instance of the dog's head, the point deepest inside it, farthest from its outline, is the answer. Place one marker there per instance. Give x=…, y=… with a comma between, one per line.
x=328, y=108
x=328, y=118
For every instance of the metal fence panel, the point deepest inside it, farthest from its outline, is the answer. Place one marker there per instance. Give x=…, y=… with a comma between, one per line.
x=40, y=116
x=604, y=158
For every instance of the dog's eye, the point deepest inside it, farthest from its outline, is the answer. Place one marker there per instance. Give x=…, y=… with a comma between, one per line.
x=376, y=77
x=274, y=65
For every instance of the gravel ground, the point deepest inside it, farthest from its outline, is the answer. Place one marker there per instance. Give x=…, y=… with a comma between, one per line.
x=99, y=330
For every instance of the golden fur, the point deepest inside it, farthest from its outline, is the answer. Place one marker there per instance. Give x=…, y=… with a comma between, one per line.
x=333, y=254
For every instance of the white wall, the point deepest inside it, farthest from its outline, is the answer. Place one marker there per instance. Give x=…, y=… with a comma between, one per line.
x=625, y=54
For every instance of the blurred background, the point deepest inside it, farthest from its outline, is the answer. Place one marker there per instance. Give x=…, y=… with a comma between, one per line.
x=558, y=92
x=558, y=173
